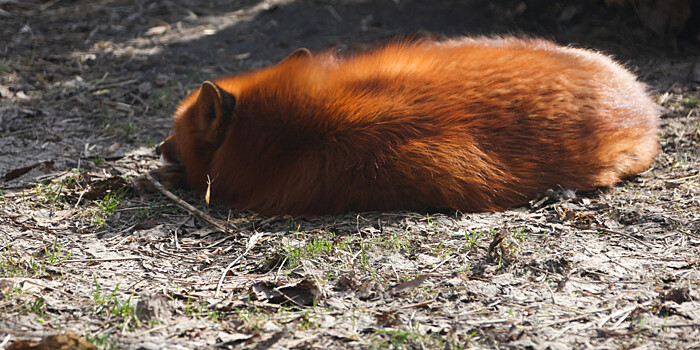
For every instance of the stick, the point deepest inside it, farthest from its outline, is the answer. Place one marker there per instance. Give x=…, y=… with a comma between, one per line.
x=624, y=235
x=4, y=342
x=251, y=243
x=187, y=206
x=99, y=260
x=602, y=321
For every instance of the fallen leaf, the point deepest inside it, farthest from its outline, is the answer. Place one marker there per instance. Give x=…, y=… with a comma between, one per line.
x=301, y=293
x=115, y=185
x=152, y=307
x=388, y=319
x=232, y=337
x=13, y=174
x=406, y=286
x=157, y=30
x=66, y=341
x=502, y=247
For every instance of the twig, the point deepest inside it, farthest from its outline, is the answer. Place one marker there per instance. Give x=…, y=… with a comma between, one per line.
x=551, y=293
x=559, y=334
x=310, y=270
x=53, y=289
x=334, y=13
x=213, y=244
x=80, y=198
x=114, y=84
x=682, y=325
x=14, y=332
x=279, y=270
x=352, y=260
x=628, y=309
x=251, y=243
x=4, y=342
x=187, y=206
x=622, y=319
x=177, y=243
x=152, y=330
x=48, y=4
x=600, y=229
x=179, y=256
x=420, y=304
x=440, y=264
x=574, y=318
x=100, y=260
x=684, y=178
x=486, y=322
x=269, y=220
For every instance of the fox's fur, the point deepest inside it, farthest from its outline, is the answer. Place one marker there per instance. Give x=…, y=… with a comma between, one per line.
x=472, y=124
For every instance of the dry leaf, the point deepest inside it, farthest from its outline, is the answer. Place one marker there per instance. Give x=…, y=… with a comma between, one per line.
x=13, y=174
x=66, y=341
x=301, y=293
x=207, y=196
x=406, y=286
x=388, y=319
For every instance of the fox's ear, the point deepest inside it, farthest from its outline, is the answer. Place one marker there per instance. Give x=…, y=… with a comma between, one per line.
x=298, y=53
x=215, y=108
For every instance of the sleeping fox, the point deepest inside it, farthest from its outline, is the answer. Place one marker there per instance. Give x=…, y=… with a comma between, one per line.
x=471, y=124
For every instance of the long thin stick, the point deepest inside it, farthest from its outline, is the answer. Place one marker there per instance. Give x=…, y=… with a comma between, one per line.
x=187, y=206
x=251, y=243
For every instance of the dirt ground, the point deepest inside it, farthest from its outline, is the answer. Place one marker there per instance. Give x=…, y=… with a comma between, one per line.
x=87, y=88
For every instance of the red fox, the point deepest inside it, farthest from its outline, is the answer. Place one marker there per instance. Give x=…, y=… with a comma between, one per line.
x=471, y=124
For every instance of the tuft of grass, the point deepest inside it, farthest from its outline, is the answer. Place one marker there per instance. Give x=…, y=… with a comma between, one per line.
x=35, y=307
x=53, y=191
x=328, y=247
x=395, y=243
x=252, y=317
x=11, y=268
x=519, y=234
x=165, y=97
x=314, y=248
x=306, y=323
x=122, y=314
x=690, y=102
x=103, y=342
x=472, y=237
x=98, y=161
x=55, y=255
x=364, y=258
x=109, y=202
x=107, y=205
x=130, y=127
x=8, y=267
x=37, y=268
x=106, y=120
x=4, y=66
x=410, y=338
x=397, y=338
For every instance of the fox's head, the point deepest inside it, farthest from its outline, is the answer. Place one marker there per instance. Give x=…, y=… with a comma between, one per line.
x=199, y=127
x=201, y=123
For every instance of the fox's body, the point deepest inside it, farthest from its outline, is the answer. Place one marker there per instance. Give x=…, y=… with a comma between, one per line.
x=471, y=124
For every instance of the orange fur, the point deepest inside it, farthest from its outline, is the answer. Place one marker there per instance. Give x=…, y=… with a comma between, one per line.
x=472, y=124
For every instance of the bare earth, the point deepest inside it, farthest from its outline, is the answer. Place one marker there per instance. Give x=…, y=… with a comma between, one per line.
x=87, y=88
